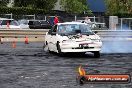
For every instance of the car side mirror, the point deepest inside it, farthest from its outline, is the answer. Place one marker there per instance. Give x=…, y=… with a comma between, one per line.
x=95, y=32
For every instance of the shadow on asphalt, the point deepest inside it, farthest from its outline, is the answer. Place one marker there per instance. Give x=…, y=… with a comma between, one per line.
x=74, y=55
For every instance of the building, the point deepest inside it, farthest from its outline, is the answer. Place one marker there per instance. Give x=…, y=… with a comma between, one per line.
x=98, y=7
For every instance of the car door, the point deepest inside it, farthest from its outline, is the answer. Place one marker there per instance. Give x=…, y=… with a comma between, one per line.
x=53, y=39
x=48, y=38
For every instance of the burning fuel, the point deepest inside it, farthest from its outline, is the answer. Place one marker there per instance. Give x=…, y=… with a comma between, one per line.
x=81, y=71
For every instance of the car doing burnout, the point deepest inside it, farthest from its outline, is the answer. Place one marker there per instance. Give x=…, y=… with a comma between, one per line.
x=73, y=37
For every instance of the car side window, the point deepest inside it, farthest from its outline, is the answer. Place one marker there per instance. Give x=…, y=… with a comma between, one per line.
x=4, y=22
x=30, y=23
x=36, y=23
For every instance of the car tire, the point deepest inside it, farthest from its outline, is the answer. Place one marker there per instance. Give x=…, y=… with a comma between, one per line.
x=59, y=49
x=96, y=54
x=46, y=44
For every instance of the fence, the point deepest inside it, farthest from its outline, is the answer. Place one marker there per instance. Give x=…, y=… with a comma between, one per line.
x=126, y=23
x=123, y=23
x=38, y=35
x=45, y=17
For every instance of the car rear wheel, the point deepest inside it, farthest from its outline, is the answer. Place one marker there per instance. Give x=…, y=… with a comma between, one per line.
x=96, y=54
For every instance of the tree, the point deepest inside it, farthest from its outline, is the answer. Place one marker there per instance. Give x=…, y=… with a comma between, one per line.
x=22, y=3
x=4, y=2
x=36, y=4
x=118, y=6
x=75, y=6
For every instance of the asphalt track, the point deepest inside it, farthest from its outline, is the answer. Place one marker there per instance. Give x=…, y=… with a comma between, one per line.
x=28, y=66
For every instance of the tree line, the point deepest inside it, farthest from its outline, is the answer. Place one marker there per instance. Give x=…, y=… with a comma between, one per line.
x=119, y=7
x=45, y=6
x=114, y=7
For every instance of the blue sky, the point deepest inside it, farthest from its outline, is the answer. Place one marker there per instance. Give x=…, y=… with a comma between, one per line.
x=97, y=5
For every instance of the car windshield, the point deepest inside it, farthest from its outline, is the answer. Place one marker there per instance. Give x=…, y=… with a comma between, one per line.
x=74, y=29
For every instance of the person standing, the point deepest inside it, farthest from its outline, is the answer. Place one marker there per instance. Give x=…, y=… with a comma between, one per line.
x=56, y=20
x=87, y=20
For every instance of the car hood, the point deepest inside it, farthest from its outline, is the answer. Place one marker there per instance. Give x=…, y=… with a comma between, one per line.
x=79, y=37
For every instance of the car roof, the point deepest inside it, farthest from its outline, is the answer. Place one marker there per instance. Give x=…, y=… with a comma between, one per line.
x=71, y=23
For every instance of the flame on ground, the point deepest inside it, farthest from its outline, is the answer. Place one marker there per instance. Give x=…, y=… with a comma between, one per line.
x=81, y=71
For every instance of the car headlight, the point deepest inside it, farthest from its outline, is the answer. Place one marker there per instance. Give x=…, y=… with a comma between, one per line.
x=67, y=41
x=96, y=40
x=88, y=39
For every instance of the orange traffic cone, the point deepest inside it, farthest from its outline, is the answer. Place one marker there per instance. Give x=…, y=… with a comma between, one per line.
x=26, y=40
x=14, y=44
x=1, y=40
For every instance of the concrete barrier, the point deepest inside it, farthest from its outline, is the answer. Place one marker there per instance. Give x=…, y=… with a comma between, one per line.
x=34, y=35
x=39, y=34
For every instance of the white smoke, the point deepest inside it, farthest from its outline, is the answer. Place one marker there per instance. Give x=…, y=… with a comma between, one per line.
x=116, y=47
x=118, y=44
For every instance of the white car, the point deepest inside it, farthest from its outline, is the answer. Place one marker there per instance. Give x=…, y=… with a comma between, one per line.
x=73, y=37
x=13, y=24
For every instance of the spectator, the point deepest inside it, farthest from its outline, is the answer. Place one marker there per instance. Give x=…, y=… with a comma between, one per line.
x=87, y=20
x=56, y=20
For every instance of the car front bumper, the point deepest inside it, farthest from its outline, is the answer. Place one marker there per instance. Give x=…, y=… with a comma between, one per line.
x=80, y=50
x=75, y=47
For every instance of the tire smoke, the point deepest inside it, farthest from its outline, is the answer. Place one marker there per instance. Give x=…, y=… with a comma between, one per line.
x=120, y=42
